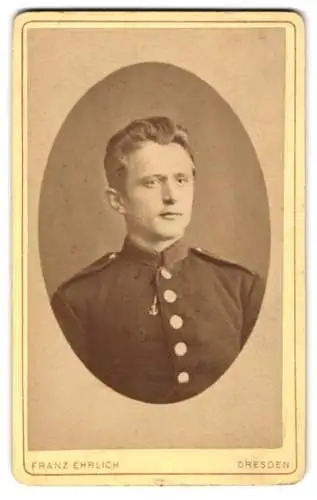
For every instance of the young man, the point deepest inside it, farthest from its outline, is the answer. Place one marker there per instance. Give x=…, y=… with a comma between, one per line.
x=158, y=321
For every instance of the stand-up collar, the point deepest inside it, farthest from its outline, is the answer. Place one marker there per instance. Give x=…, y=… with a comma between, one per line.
x=168, y=258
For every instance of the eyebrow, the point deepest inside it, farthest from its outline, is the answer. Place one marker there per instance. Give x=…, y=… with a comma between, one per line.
x=154, y=176
x=163, y=177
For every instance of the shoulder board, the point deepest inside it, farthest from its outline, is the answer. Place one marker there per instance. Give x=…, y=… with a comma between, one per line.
x=96, y=266
x=219, y=260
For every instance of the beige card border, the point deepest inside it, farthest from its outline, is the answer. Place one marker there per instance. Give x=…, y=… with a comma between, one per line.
x=268, y=466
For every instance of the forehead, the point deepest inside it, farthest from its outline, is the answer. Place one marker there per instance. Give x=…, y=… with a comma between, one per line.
x=164, y=159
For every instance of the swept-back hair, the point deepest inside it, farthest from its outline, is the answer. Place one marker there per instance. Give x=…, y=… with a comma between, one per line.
x=159, y=129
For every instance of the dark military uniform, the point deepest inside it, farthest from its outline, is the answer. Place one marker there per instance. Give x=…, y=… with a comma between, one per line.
x=159, y=328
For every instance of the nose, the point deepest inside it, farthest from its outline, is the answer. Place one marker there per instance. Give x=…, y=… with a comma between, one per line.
x=169, y=192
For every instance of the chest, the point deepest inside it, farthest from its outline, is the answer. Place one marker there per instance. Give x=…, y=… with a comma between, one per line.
x=150, y=313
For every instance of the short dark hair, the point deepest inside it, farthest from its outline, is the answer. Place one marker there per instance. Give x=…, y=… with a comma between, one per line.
x=159, y=129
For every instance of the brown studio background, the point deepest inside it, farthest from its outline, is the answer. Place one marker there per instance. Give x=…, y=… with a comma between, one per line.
x=68, y=407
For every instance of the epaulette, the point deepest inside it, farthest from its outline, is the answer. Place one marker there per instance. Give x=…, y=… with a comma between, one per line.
x=219, y=260
x=96, y=266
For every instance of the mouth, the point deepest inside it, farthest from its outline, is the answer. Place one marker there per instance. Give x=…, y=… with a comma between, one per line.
x=167, y=215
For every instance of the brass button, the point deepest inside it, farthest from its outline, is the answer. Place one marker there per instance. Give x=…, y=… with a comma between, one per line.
x=169, y=296
x=176, y=322
x=183, y=378
x=180, y=348
x=165, y=273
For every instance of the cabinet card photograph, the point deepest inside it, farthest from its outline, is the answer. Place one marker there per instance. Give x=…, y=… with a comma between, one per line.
x=158, y=248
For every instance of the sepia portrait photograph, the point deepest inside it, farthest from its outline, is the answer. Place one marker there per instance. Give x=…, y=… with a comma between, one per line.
x=158, y=333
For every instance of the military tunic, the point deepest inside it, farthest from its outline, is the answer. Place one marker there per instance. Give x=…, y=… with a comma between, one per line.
x=159, y=328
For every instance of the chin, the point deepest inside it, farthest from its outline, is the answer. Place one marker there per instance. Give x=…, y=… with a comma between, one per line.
x=170, y=235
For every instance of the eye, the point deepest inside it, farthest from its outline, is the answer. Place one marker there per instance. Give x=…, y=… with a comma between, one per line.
x=151, y=183
x=182, y=179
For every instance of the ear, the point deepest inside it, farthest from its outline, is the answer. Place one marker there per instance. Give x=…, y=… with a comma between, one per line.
x=115, y=200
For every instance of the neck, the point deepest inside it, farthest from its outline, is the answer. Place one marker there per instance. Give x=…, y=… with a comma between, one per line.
x=152, y=246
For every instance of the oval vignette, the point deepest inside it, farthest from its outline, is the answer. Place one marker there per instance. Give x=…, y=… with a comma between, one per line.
x=230, y=215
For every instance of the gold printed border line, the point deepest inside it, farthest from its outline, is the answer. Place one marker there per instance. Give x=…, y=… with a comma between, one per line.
x=160, y=16
x=284, y=465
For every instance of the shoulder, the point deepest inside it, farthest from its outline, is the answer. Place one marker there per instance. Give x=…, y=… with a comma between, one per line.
x=233, y=276
x=88, y=275
x=220, y=263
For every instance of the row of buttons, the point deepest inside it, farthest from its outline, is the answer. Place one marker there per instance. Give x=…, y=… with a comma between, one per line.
x=176, y=323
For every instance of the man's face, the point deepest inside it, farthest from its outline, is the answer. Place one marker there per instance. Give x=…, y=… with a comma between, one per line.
x=158, y=196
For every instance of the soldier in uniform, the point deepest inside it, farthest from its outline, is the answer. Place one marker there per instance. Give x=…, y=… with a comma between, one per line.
x=157, y=321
